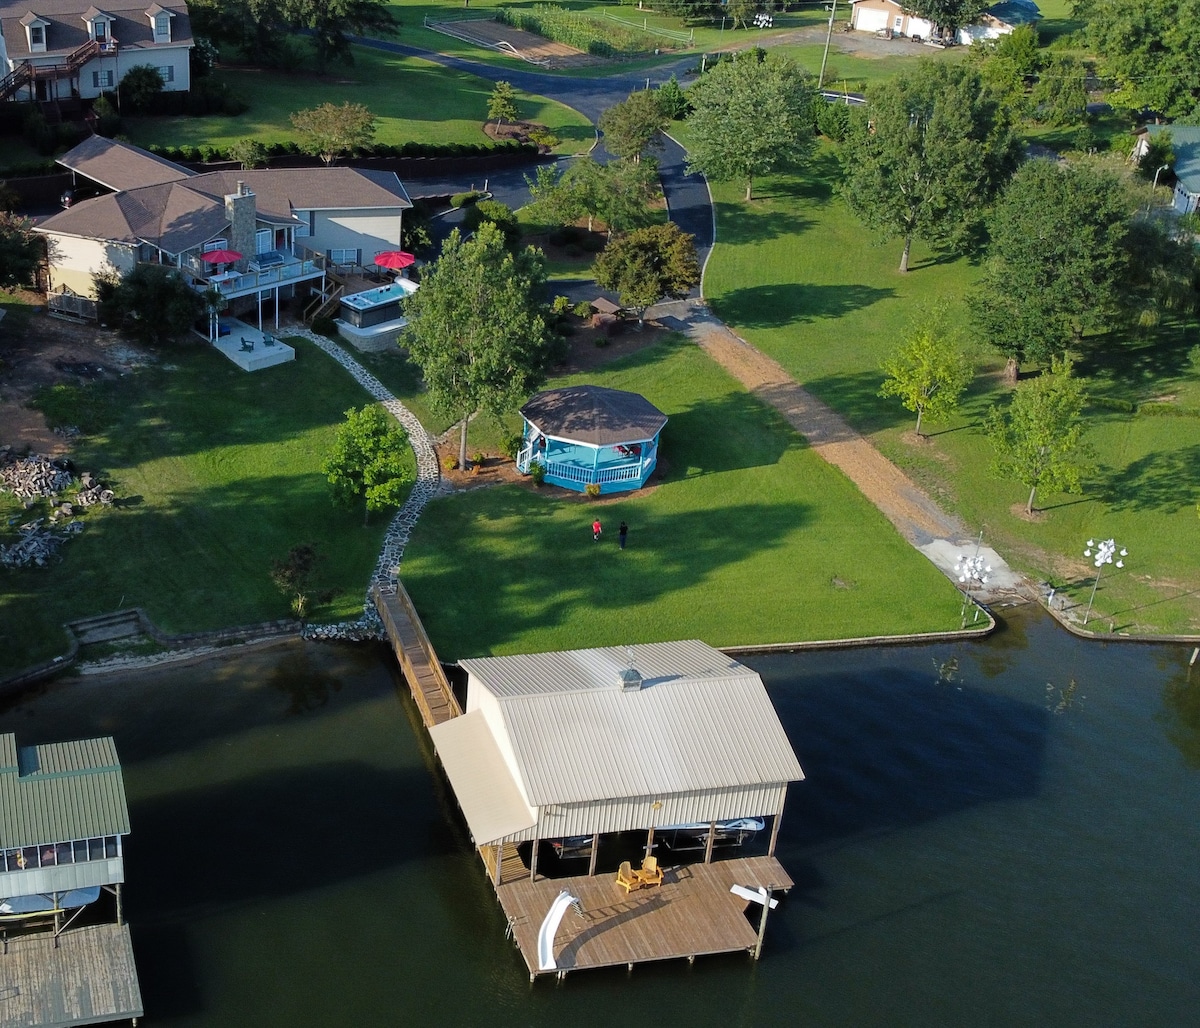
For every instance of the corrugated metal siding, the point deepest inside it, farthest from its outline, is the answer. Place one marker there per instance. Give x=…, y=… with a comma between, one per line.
x=63, y=878
x=673, y=737
x=83, y=798
x=526, y=674
x=638, y=812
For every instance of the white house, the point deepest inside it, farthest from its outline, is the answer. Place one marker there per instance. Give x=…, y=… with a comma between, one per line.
x=1185, y=144
x=63, y=48
x=890, y=15
x=286, y=225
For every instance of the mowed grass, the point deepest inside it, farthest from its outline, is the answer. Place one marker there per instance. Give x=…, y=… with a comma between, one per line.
x=747, y=538
x=800, y=278
x=413, y=101
x=217, y=473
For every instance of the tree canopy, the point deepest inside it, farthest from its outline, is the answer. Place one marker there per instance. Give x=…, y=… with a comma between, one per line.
x=367, y=462
x=475, y=327
x=150, y=303
x=619, y=194
x=632, y=126
x=751, y=114
x=330, y=131
x=1056, y=256
x=1039, y=436
x=928, y=371
x=1150, y=48
x=645, y=265
x=927, y=155
x=949, y=15
x=20, y=250
x=502, y=103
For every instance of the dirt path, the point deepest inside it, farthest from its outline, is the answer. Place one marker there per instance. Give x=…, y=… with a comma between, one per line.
x=931, y=530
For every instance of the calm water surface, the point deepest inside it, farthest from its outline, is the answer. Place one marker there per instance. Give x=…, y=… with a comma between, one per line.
x=998, y=833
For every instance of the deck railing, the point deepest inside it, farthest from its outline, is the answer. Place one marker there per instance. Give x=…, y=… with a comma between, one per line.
x=630, y=472
x=299, y=263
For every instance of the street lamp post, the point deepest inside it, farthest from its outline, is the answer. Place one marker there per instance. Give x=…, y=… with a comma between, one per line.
x=1105, y=550
x=1158, y=172
x=970, y=570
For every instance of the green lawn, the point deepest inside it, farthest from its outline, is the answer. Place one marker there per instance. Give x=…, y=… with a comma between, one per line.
x=748, y=538
x=217, y=473
x=413, y=101
x=800, y=278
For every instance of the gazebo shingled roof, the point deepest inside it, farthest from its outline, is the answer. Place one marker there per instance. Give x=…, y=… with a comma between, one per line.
x=594, y=415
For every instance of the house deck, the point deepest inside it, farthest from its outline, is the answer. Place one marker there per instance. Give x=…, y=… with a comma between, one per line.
x=89, y=978
x=247, y=347
x=691, y=914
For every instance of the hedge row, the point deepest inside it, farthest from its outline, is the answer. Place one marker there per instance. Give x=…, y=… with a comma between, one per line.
x=205, y=154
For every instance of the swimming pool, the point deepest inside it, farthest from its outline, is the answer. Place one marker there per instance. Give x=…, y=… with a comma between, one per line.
x=378, y=305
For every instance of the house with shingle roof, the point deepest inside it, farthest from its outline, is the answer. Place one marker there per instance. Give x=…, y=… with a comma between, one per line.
x=1185, y=144
x=59, y=49
x=287, y=225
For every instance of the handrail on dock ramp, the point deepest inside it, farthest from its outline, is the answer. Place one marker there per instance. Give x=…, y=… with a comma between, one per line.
x=426, y=680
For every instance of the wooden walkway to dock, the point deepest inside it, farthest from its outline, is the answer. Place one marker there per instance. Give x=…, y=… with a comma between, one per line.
x=427, y=681
x=691, y=914
x=89, y=978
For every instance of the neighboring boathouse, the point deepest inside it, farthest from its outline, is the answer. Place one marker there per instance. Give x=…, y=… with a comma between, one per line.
x=586, y=745
x=63, y=818
x=590, y=435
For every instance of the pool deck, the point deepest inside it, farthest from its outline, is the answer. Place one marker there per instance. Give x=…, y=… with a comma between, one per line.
x=691, y=914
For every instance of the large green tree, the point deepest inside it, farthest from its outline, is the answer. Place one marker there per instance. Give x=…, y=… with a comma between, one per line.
x=751, y=114
x=619, y=194
x=1055, y=260
x=1038, y=437
x=150, y=302
x=1150, y=47
x=475, y=328
x=329, y=24
x=1060, y=96
x=645, y=265
x=20, y=250
x=928, y=371
x=926, y=156
x=330, y=131
x=367, y=462
x=632, y=127
x=948, y=15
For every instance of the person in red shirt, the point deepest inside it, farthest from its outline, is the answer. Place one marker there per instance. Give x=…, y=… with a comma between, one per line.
x=597, y=528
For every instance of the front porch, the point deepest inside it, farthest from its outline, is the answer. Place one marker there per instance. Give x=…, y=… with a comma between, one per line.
x=574, y=465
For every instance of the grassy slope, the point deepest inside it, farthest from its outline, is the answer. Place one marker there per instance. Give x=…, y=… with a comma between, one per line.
x=413, y=100
x=218, y=473
x=749, y=538
x=804, y=281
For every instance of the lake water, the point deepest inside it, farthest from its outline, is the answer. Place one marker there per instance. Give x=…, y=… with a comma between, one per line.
x=994, y=833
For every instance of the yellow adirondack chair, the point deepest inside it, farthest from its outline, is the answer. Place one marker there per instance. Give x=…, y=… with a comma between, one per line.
x=650, y=873
x=627, y=878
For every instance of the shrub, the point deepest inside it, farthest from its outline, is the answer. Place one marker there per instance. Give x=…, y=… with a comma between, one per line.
x=478, y=457
x=543, y=137
x=561, y=304
x=464, y=199
x=538, y=474
x=583, y=309
x=141, y=86
x=833, y=120
x=513, y=444
x=592, y=489
x=450, y=464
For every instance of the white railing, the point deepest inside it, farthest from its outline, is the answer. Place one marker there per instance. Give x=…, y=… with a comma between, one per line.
x=585, y=476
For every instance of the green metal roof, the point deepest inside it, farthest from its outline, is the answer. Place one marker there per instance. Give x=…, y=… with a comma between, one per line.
x=60, y=791
x=1185, y=142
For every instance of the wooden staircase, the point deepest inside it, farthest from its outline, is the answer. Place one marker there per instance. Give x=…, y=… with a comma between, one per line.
x=324, y=307
x=23, y=74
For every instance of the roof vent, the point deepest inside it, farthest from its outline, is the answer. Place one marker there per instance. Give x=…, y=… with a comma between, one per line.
x=630, y=680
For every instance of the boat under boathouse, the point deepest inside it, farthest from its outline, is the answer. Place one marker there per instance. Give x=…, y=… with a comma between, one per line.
x=63, y=819
x=591, y=435
x=620, y=742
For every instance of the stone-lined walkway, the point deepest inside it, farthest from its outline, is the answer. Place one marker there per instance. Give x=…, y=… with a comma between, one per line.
x=428, y=478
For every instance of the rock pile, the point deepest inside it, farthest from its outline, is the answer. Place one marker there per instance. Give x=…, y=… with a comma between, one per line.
x=38, y=545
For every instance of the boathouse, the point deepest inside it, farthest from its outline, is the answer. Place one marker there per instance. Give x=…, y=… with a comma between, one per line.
x=63, y=819
x=586, y=743
x=591, y=435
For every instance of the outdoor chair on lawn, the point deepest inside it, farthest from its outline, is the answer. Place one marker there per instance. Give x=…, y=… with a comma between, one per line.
x=627, y=878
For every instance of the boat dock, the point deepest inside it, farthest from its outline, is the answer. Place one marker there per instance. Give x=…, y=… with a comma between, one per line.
x=81, y=976
x=691, y=914
x=422, y=670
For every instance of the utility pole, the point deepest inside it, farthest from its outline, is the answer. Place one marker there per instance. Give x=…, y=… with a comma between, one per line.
x=828, y=38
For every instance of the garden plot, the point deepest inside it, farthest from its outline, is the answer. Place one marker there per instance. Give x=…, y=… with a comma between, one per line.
x=517, y=42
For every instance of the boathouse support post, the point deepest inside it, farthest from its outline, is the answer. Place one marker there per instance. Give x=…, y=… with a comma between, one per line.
x=120, y=906
x=595, y=853
x=778, y=820
x=533, y=861
x=762, y=921
x=712, y=837
x=650, y=841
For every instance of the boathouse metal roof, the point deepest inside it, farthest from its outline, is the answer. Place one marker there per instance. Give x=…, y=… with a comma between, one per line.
x=60, y=791
x=594, y=414
x=697, y=721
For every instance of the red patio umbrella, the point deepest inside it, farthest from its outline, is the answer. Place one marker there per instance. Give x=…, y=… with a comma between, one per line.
x=221, y=256
x=395, y=259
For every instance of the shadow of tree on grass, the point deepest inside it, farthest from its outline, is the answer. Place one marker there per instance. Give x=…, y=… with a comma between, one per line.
x=772, y=306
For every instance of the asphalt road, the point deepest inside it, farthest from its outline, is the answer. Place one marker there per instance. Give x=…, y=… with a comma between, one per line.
x=687, y=195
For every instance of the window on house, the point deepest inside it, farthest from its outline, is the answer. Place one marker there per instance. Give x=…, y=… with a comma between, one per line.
x=37, y=36
x=162, y=26
x=343, y=256
x=102, y=79
x=167, y=73
x=216, y=244
x=263, y=240
x=100, y=31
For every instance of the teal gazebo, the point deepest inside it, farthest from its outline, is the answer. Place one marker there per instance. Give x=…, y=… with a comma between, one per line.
x=591, y=435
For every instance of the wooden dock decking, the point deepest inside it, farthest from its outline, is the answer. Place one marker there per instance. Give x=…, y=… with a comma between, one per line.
x=691, y=914
x=89, y=979
x=427, y=681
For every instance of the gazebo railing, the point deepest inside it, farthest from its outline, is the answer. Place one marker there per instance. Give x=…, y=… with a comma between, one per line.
x=630, y=472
